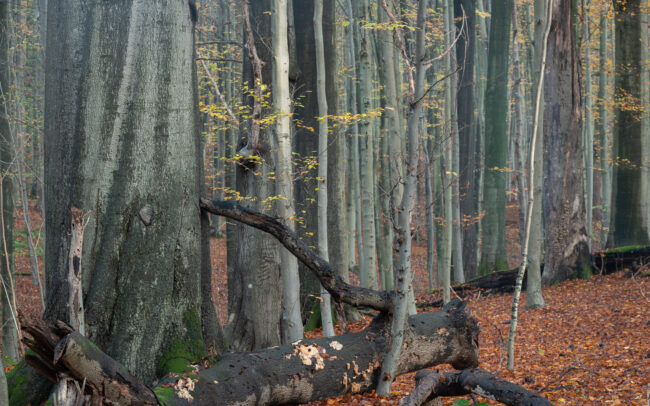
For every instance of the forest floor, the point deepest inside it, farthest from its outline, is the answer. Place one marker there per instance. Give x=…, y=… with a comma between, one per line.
x=590, y=345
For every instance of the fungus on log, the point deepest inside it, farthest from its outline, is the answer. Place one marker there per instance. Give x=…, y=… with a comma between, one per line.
x=305, y=371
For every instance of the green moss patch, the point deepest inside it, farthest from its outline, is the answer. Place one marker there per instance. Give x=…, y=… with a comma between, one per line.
x=165, y=395
x=185, y=350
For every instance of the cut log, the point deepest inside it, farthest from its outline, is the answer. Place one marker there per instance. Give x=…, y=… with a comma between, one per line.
x=305, y=371
x=475, y=381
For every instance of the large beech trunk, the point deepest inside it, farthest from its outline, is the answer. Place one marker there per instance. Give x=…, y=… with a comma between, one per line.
x=305, y=371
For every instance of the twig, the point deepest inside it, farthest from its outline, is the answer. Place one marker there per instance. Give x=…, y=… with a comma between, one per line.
x=216, y=90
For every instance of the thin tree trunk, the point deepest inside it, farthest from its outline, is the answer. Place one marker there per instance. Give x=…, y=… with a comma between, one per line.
x=514, y=317
x=403, y=229
x=469, y=145
x=7, y=292
x=325, y=307
x=588, y=128
x=603, y=129
x=292, y=327
x=534, y=297
x=369, y=272
x=456, y=175
x=519, y=134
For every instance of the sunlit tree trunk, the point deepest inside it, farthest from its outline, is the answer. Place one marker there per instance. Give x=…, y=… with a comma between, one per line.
x=292, y=328
x=534, y=297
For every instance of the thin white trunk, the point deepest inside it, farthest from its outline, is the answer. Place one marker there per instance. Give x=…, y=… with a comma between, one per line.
x=459, y=273
x=531, y=202
x=588, y=130
x=403, y=229
x=292, y=328
x=325, y=307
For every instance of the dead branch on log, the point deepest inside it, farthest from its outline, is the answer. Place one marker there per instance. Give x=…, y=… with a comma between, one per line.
x=67, y=357
x=340, y=291
x=305, y=371
x=471, y=381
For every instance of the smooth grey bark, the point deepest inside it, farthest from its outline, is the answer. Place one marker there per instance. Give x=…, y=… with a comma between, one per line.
x=454, y=157
x=603, y=128
x=403, y=274
x=567, y=249
x=588, y=126
x=391, y=162
x=493, y=239
x=8, y=303
x=368, y=274
x=629, y=223
x=325, y=302
x=256, y=307
x=469, y=145
x=122, y=141
x=292, y=328
x=337, y=221
x=534, y=297
x=354, y=187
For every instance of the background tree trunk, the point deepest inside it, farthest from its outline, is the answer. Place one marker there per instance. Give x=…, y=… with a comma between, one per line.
x=567, y=249
x=255, y=311
x=494, y=256
x=9, y=322
x=468, y=142
x=629, y=224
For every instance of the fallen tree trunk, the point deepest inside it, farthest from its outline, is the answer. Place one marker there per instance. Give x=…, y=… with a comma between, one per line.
x=604, y=262
x=432, y=385
x=305, y=371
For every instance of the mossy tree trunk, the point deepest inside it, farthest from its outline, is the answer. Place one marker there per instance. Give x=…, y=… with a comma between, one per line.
x=122, y=142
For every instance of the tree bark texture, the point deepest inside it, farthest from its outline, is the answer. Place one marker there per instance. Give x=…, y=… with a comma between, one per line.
x=287, y=374
x=468, y=141
x=567, y=248
x=255, y=306
x=122, y=142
